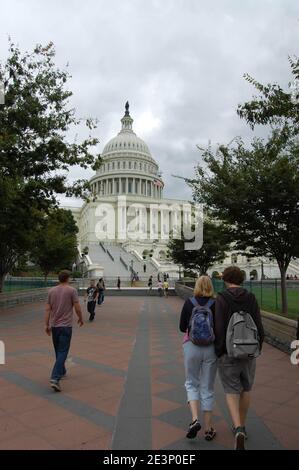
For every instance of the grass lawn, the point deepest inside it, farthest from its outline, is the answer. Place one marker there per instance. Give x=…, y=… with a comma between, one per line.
x=269, y=298
x=271, y=302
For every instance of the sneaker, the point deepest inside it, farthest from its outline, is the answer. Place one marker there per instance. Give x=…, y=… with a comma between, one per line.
x=193, y=429
x=239, y=439
x=55, y=385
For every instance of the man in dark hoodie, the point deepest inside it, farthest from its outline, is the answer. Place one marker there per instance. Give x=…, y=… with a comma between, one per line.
x=237, y=375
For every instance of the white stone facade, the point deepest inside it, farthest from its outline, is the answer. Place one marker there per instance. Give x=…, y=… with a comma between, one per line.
x=128, y=184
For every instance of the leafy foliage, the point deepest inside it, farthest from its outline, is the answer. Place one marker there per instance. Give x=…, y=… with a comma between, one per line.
x=35, y=153
x=215, y=244
x=274, y=105
x=55, y=242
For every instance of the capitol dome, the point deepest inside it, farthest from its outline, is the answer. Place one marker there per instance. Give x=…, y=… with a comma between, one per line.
x=126, y=140
x=127, y=166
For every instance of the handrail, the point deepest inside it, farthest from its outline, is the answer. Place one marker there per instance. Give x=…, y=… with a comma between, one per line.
x=102, y=246
x=109, y=254
x=123, y=262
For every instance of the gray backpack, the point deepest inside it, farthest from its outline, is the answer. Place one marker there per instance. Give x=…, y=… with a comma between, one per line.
x=242, y=336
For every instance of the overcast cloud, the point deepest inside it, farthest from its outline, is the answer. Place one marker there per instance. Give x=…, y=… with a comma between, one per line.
x=179, y=63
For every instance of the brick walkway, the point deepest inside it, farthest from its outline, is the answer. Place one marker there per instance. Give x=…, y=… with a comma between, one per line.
x=125, y=385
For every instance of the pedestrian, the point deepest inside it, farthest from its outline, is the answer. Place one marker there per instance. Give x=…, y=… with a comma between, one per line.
x=160, y=288
x=158, y=277
x=101, y=291
x=150, y=284
x=91, y=296
x=197, y=318
x=144, y=268
x=166, y=287
x=62, y=301
x=118, y=283
x=237, y=347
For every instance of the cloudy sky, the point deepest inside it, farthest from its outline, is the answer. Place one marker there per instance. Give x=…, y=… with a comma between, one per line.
x=179, y=63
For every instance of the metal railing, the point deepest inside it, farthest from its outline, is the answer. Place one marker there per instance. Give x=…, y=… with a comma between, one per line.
x=267, y=293
x=14, y=284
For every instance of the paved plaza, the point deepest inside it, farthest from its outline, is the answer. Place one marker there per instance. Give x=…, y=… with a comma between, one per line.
x=125, y=385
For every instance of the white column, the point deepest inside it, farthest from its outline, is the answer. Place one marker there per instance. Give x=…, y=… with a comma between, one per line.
x=146, y=187
x=127, y=185
x=119, y=183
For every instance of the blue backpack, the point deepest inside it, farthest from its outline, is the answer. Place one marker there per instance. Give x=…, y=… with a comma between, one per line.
x=201, y=323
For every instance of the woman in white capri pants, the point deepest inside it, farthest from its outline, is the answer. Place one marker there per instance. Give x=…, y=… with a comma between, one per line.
x=200, y=363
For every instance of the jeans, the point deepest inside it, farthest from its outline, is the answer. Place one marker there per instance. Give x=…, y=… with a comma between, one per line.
x=61, y=336
x=200, y=369
x=91, y=309
x=101, y=297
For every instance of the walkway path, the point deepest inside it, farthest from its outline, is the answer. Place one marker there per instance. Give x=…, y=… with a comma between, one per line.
x=125, y=385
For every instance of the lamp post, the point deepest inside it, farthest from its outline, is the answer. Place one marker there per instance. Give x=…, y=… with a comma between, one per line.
x=262, y=269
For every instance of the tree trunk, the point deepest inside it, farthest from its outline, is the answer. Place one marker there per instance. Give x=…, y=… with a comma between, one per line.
x=284, y=296
x=2, y=277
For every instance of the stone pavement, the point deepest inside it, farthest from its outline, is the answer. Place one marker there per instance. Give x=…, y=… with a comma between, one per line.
x=125, y=385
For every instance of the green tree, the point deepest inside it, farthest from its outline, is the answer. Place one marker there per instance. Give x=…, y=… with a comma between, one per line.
x=213, y=250
x=256, y=191
x=35, y=150
x=55, y=242
x=274, y=105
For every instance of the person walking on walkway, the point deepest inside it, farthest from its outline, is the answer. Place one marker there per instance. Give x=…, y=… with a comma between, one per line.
x=239, y=336
x=160, y=288
x=150, y=284
x=62, y=301
x=91, y=297
x=166, y=287
x=101, y=291
x=199, y=355
x=118, y=283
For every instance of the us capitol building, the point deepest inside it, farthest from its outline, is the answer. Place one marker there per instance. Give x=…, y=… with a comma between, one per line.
x=127, y=186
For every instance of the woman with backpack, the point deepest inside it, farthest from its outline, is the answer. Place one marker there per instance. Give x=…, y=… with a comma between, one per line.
x=197, y=319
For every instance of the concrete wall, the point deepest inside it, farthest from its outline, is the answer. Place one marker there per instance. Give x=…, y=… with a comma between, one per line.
x=25, y=297
x=279, y=331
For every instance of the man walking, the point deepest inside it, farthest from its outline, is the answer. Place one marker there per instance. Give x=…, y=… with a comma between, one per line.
x=237, y=366
x=91, y=296
x=62, y=300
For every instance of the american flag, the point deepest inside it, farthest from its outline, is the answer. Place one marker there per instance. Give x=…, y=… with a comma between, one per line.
x=158, y=183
